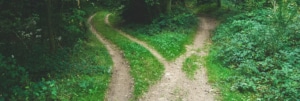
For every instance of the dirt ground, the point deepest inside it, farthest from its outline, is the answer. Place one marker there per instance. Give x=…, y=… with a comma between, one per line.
x=174, y=85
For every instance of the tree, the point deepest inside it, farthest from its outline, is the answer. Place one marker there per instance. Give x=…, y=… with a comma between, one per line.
x=50, y=28
x=146, y=10
x=219, y=3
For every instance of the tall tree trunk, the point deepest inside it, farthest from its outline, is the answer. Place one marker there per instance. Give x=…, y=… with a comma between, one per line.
x=168, y=6
x=50, y=27
x=219, y=3
x=183, y=3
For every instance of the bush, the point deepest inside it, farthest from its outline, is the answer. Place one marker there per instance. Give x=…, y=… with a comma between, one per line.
x=265, y=53
x=178, y=20
x=169, y=33
x=13, y=78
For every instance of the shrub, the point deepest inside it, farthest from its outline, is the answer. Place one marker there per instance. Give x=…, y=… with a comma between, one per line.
x=265, y=53
x=178, y=20
x=13, y=77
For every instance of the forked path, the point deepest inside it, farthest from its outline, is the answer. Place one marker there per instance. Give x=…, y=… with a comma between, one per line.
x=174, y=85
x=120, y=87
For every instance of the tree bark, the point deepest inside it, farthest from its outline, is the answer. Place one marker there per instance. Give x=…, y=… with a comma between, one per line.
x=50, y=27
x=219, y=3
x=183, y=2
x=168, y=6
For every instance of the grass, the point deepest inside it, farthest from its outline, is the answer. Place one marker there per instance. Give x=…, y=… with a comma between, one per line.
x=90, y=74
x=169, y=44
x=191, y=65
x=218, y=76
x=145, y=68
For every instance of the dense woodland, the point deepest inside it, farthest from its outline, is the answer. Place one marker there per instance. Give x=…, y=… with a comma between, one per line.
x=48, y=53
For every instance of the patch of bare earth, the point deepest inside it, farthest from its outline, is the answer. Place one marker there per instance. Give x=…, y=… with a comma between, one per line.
x=174, y=85
x=120, y=87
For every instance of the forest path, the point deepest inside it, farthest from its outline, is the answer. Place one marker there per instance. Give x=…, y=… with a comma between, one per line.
x=120, y=87
x=174, y=85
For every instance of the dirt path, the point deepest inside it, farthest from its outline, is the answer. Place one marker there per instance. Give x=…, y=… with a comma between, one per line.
x=174, y=84
x=120, y=87
x=153, y=51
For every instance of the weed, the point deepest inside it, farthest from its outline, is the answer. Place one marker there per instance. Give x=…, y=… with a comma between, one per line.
x=179, y=94
x=218, y=76
x=263, y=49
x=145, y=68
x=90, y=76
x=191, y=65
x=168, y=34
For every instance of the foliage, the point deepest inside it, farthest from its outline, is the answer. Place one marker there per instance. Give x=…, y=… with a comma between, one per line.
x=263, y=51
x=191, y=65
x=89, y=73
x=169, y=33
x=198, y=2
x=248, y=5
x=13, y=77
x=34, y=69
x=145, y=68
x=86, y=76
x=218, y=77
x=177, y=21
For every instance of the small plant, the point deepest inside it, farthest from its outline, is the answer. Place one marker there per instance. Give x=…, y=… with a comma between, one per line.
x=264, y=52
x=169, y=33
x=191, y=65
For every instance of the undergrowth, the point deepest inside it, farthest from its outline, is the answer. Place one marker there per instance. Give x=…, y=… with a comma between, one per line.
x=89, y=77
x=169, y=44
x=169, y=33
x=261, y=45
x=145, y=68
x=218, y=77
x=85, y=76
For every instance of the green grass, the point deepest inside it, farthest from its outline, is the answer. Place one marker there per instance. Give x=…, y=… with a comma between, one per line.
x=191, y=65
x=219, y=77
x=217, y=74
x=169, y=44
x=145, y=68
x=89, y=77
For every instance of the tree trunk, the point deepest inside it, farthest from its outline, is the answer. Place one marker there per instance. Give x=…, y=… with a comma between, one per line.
x=219, y=3
x=50, y=27
x=183, y=2
x=168, y=6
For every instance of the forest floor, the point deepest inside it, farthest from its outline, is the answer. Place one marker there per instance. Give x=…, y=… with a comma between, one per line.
x=174, y=85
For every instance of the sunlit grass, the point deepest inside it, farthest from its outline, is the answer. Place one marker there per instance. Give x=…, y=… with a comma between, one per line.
x=169, y=44
x=145, y=68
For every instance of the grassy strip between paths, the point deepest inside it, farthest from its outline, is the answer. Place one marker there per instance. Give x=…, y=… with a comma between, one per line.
x=169, y=44
x=219, y=77
x=145, y=68
x=89, y=77
x=191, y=65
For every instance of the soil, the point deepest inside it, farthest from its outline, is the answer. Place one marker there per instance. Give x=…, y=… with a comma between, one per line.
x=120, y=87
x=174, y=85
